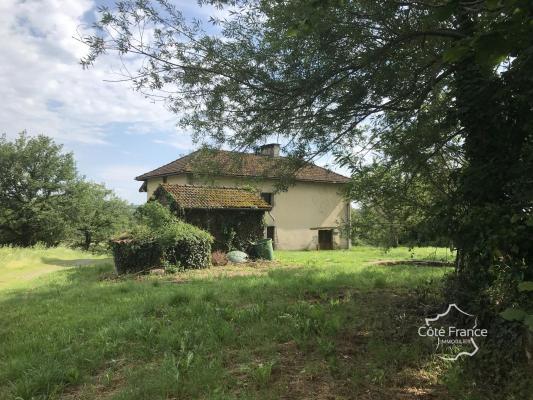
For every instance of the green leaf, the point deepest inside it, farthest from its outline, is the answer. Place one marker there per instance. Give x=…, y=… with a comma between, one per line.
x=526, y=286
x=492, y=4
x=528, y=320
x=513, y=314
x=293, y=31
x=444, y=12
x=492, y=48
x=455, y=53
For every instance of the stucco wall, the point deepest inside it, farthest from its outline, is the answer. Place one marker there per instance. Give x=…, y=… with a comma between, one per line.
x=153, y=183
x=297, y=213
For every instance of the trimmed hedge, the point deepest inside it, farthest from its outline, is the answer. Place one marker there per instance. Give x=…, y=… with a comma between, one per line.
x=187, y=245
x=132, y=256
x=160, y=237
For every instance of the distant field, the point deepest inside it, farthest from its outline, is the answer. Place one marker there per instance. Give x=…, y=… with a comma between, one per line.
x=312, y=325
x=19, y=266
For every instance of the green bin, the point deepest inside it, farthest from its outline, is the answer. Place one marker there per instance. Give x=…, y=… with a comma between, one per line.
x=264, y=249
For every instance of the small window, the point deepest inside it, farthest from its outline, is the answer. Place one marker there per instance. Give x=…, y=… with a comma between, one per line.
x=164, y=179
x=268, y=197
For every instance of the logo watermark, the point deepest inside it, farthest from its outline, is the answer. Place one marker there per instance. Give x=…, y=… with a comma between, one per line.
x=455, y=330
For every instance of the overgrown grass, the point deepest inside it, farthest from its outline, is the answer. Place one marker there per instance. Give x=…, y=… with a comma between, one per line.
x=314, y=325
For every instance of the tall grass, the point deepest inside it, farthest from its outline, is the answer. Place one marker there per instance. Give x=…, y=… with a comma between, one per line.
x=321, y=326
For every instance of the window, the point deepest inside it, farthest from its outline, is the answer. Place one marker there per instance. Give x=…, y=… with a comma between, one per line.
x=268, y=197
x=164, y=179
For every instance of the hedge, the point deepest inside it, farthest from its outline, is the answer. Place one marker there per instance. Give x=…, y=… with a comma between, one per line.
x=155, y=241
x=131, y=255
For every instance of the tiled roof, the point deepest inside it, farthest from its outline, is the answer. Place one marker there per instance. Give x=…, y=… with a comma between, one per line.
x=220, y=162
x=211, y=197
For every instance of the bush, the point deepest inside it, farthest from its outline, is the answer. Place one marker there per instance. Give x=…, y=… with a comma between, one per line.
x=132, y=256
x=171, y=268
x=159, y=238
x=219, y=258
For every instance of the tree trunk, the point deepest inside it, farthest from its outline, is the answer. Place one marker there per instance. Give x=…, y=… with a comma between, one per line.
x=88, y=240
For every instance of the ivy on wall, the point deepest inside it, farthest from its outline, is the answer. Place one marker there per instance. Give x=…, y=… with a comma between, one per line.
x=232, y=229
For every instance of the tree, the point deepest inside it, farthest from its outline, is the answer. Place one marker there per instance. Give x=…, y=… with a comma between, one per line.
x=34, y=185
x=415, y=77
x=421, y=74
x=42, y=198
x=95, y=214
x=395, y=208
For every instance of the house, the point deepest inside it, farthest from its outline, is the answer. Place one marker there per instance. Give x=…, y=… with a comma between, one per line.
x=310, y=214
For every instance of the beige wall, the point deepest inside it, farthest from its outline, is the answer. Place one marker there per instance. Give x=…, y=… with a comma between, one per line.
x=154, y=183
x=297, y=213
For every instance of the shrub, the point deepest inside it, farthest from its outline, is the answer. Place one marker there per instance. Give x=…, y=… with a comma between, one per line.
x=219, y=258
x=170, y=268
x=154, y=215
x=160, y=239
x=132, y=255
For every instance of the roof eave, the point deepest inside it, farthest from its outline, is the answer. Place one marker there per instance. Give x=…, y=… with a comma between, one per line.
x=144, y=177
x=229, y=208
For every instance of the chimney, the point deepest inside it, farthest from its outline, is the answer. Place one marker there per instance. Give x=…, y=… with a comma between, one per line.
x=271, y=149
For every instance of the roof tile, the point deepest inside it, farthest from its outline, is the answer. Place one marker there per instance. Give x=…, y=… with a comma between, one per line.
x=220, y=162
x=211, y=197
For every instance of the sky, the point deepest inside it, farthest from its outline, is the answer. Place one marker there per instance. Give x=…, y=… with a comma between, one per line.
x=114, y=132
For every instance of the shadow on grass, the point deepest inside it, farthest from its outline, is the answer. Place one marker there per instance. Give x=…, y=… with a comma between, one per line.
x=79, y=262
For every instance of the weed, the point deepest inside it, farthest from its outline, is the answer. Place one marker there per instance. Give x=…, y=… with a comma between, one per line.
x=262, y=373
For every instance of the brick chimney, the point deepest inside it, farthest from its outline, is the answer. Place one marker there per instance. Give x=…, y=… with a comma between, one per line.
x=271, y=149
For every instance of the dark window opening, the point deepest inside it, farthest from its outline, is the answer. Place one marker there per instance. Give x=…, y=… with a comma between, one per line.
x=268, y=197
x=325, y=239
x=164, y=179
x=271, y=234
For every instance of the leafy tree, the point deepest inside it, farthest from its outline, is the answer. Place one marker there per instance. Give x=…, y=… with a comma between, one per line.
x=42, y=198
x=415, y=77
x=95, y=214
x=423, y=75
x=394, y=208
x=34, y=183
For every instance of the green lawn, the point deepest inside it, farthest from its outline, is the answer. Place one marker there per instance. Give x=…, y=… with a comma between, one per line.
x=313, y=325
x=19, y=266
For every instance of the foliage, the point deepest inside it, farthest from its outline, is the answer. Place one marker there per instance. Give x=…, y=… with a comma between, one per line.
x=416, y=80
x=42, y=198
x=219, y=258
x=133, y=255
x=522, y=314
x=154, y=215
x=231, y=229
x=170, y=268
x=34, y=184
x=95, y=214
x=159, y=238
x=394, y=208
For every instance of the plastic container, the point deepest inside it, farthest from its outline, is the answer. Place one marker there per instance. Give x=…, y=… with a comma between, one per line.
x=264, y=249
